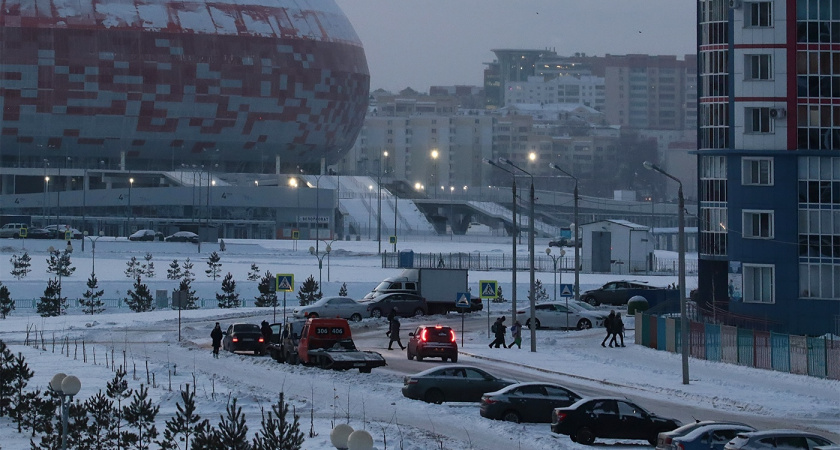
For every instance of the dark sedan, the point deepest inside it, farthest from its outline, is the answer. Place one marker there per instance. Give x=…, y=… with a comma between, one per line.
x=451, y=384
x=526, y=402
x=611, y=418
x=39, y=233
x=244, y=337
x=182, y=236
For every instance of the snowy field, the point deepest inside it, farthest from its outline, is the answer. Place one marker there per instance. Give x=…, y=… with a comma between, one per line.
x=370, y=401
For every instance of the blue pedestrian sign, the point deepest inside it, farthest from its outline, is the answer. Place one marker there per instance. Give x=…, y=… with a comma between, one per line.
x=462, y=300
x=567, y=290
x=285, y=282
x=488, y=288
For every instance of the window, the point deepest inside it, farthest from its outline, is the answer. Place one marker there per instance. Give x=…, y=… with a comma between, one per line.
x=758, y=224
x=758, y=67
x=757, y=171
x=759, y=14
x=758, y=120
x=759, y=281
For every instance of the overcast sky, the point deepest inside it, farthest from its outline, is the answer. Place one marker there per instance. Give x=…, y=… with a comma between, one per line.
x=420, y=43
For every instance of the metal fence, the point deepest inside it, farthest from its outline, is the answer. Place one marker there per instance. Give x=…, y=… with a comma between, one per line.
x=119, y=303
x=812, y=356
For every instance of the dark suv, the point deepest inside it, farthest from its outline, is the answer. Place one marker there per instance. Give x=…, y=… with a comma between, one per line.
x=406, y=305
x=436, y=341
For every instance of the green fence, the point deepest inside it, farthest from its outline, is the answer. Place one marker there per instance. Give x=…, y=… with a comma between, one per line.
x=812, y=356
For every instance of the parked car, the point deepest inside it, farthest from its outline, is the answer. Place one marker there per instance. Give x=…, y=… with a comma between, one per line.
x=433, y=342
x=38, y=233
x=244, y=337
x=283, y=344
x=407, y=305
x=344, y=307
x=777, y=439
x=526, y=402
x=563, y=242
x=559, y=314
x=617, y=292
x=611, y=418
x=703, y=435
x=451, y=383
x=146, y=235
x=182, y=236
x=12, y=230
x=60, y=231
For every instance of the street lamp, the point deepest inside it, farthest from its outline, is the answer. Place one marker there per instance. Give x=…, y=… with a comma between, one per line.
x=130, y=211
x=93, y=249
x=575, y=237
x=684, y=337
x=514, y=229
x=320, y=257
x=435, y=155
x=554, y=259
x=379, y=204
x=329, y=249
x=46, y=193
x=532, y=294
x=65, y=387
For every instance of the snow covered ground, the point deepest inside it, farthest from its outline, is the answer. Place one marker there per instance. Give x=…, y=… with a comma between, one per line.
x=369, y=401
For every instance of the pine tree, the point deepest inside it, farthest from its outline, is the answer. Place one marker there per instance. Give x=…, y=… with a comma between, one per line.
x=214, y=265
x=192, y=300
x=539, y=291
x=79, y=427
x=101, y=408
x=148, y=269
x=117, y=390
x=233, y=433
x=342, y=292
x=229, y=298
x=174, y=271
x=60, y=264
x=254, y=273
x=92, y=302
x=182, y=426
x=52, y=304
x=140, y=298
x=206, y=437
x=500, y=298
x=308, y=292
x=7, y=305
x=186, y=270
x=21, y=265
x=21, y=374
x=267, y=296
x=140, y=416
x=39, y=414
x=277, y=432
x=7, y=375
x=133, y=269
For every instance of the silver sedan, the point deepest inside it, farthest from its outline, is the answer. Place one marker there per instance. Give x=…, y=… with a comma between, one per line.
x=557, y=315
x=343, y=307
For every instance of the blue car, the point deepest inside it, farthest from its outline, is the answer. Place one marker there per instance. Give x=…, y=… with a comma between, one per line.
x=703, y=435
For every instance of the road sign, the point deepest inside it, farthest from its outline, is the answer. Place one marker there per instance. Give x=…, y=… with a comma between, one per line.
x=462, y=300
x=567, y=290
x=392, y=239
x=295, y=234
x=23, y=232
x=68, y=235
x=489, y=288
x=285, y=282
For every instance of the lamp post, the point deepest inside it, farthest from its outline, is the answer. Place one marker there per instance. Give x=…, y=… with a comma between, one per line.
x=514, y=228
x=93, y=249
x=684, y=333
x=329, y=249
x=554, y=259
x=379, y=204
x=435, y=155
x=575, y=237
x=532, y=293
x=130, y=211
x=320, y=257
x=46, y=194
x=65, y=387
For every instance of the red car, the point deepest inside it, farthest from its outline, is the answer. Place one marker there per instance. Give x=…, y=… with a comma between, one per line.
x=433, y=342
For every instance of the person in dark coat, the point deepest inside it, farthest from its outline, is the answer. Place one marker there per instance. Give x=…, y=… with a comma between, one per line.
x=392, y=314
x=499, y=328
x=216, y=335
x=618, y=330
x=265, y=329
x=608, y=323
x=394, y=333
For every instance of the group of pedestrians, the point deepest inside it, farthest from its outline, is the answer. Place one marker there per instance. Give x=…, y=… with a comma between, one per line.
x=615, y=329
x=499, y=330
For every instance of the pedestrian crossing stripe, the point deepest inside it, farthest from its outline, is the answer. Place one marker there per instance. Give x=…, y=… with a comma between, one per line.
x=285, y=282
x=489, y=288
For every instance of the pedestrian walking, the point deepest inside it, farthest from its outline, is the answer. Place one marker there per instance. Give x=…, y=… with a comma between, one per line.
x=265, y=329
x=216, y=335
x=222, y=245
x=608, y=324
x=392, y=314
x=516, y=332
x=394, y=333
x=618, y=330
x=499, y=328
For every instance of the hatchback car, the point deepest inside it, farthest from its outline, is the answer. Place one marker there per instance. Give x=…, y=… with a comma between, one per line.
x=432, y=342
x=561, y=314
x=146, y=235
x=703, y=435
x=611, y=418
x=182, y=236
x=526, y=402
x=244, y=337
x=617, y=293
x=344, y=307
x=776, y=439
x=406, y=305
x=451, y=383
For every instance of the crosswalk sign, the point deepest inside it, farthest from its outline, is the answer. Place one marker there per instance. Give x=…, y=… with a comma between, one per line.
x=462, y=300
x=392, y=239
x=23, y=232
x=295, y=235
x=285, y=282
x=489, y=288
x=567, y=290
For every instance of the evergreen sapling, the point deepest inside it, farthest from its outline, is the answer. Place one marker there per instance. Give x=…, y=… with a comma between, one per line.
x=92, y=298
x=7, y=305
x=229, y=298
x=174, y=270
x=214, y=265
x=268, y=297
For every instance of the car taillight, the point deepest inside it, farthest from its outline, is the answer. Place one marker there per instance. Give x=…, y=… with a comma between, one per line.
x=423, y=335
x=409, y=380
x=235, y=339
x=261, y=340
x=679, y=446
x=488, y=400
x=452, y=336
x=560, y=416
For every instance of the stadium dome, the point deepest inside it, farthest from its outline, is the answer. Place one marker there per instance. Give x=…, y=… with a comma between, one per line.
x=158, y=84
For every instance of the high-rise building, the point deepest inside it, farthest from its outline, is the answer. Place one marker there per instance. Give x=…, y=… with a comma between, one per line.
x=769, y=161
